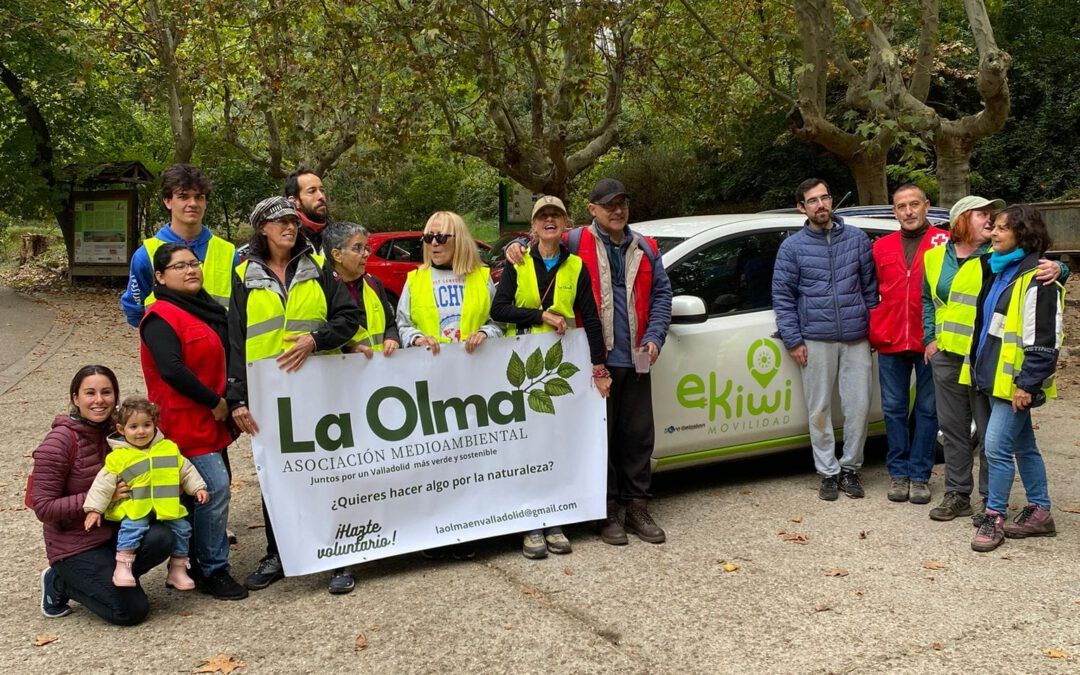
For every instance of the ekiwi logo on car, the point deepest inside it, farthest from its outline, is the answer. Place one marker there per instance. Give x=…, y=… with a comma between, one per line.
x=731, y=402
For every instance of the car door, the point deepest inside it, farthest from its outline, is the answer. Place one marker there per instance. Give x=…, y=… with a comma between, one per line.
x=402, y=255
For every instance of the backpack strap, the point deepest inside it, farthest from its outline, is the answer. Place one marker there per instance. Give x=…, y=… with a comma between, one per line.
x=573, y=240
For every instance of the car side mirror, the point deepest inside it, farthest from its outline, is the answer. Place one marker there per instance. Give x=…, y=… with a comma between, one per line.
x=687, y=309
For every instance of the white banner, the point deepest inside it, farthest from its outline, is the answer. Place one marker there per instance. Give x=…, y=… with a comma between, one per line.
x=363, y=459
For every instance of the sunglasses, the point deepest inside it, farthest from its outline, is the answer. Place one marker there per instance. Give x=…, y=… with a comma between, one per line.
x=439, y=239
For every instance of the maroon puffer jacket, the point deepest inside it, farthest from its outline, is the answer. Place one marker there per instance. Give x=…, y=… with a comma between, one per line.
x=60, y=487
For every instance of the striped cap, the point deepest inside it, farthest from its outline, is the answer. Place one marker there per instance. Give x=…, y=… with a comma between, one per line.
x=272, y=208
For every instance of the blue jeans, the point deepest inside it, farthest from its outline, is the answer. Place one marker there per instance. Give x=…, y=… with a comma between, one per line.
x=911, y=452
x=132, y=531
x=1010, y=435
x=211, y=543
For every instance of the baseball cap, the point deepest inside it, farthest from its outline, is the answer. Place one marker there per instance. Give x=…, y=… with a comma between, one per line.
x=547, y=200
x=607, y=189
x=970, y=203
x=272, y=208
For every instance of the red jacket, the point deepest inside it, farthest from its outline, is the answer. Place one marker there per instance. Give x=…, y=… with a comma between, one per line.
x=896, y=323
x=188, y=424
x=60, y=487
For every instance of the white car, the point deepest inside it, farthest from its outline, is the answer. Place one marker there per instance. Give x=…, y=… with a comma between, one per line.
x=724, y=387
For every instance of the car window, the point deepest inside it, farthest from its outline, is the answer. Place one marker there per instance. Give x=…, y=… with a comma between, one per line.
x=665, y=244
x=406, y=249
x=731, y=275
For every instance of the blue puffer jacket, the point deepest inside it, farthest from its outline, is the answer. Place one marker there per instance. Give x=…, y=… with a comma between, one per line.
x=824, y=285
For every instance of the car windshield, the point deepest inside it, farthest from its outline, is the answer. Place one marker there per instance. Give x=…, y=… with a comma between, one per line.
x=668, y=243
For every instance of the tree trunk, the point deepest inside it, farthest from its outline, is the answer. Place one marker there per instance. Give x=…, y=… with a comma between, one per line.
x=868, y=169
x=953, y=165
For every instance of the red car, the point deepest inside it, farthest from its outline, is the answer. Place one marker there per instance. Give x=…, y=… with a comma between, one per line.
x=395, y=254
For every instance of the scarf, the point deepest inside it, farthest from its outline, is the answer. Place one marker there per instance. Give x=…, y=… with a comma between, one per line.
x=311, y=224
x=201, y=306
x=999, y=261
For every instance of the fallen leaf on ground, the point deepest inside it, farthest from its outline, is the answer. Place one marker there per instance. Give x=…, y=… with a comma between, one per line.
x=728, y=566
x=744, y=491
x=222, y=663
x=255, y=526
x=797, y=519
x=1070, y=509
x=568, y=572
x=361, y=642
x=42, y=640
x=1055, y=654
x=529, y=590
x=859, y=593
x=933, y=565
x=862, y=535
x=821, y=608
x=187, y=612
x=796, y=537
x=836, y=572
x=936, y=646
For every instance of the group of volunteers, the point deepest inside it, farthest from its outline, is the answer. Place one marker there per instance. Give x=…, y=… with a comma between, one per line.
x=975, y=313
x=122, y=485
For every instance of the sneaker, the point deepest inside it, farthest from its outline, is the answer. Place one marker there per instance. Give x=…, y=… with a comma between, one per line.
x=829, y=490
x=222, y=586
x=534, y=547
x=898, y=489
x=612, y=530
x=979, y=517
x=954, y=505
x=920, y=493
x=231, y=536
x=556, y=541
x=268, y=571
x=463, y=551
x=1033, y=521
x=53, y=604
x=991, y=533
x=639, y=522
x=341, y=582
x=851, y=485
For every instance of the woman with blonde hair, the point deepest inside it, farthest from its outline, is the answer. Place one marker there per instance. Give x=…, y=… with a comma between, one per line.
x=448, y=298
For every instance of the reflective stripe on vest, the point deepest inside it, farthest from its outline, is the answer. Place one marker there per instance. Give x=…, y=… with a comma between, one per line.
x=475, y=308
x=153, y=475
x=954, y=318
x=564, y=290
x=270, y=321
x=375, y=317
x=1011, y=357
x=217, y=268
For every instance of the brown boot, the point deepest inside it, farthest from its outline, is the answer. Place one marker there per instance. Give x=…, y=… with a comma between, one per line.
x=611, y=530
x=122, y=575
x=641, y=523
x=1033, y=521
x=178, y=577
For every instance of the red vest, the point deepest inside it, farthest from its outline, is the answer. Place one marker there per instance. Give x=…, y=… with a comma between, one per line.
x=896, y=323
x=642, y=282
x=183, y=421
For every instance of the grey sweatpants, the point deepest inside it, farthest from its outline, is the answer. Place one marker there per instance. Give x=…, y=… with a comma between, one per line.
x=826, y=364
x=957, y=405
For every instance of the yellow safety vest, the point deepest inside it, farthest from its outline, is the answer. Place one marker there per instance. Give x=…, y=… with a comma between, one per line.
x=270, y=321
x=217, y=268
x=565, y=291
x=1010, y=330
x=954, y=317
x=153, y=475
x=375, y=317
x=475, y=309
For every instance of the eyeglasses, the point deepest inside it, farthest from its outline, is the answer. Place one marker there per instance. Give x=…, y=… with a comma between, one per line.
x=546, y=215
x=616, y=205
x=439, y=239
x=361, y=250
x=814, y=201
x=185, y=266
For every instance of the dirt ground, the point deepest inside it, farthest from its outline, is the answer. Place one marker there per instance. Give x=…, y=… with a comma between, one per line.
x=874, y=586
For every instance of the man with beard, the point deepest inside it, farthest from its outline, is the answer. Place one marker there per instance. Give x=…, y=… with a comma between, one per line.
x=305, y=190
x=823, y=289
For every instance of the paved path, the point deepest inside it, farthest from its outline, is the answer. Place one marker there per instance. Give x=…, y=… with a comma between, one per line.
x=29, y=333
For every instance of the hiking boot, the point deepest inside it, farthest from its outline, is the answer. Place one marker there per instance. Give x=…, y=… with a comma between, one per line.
x=952, y=506
x=639, y=522
x=898, y=489
x=920, y=493
x=556, y=541
x=991, y=533
x=979, y=517
x=1033, y=521
x=851, y=485
x=222, y=586
x=341, y=582
x=829, y=490
x=268, y=571
x=534, y=547
x=122, y=576
x=178, y=574
x=612, y=530
x=53, y=603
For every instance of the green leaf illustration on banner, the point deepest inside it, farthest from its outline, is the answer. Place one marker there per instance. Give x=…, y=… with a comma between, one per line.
x=554, y=356
x=534, y=366
x=567, y=370
x=541, y=402
x=515, y=370
x=558, y=387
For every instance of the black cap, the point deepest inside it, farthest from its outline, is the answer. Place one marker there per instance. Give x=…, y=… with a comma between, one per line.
x=607, y=189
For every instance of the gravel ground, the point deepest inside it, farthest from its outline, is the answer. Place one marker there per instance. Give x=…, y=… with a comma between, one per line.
x=876, y=586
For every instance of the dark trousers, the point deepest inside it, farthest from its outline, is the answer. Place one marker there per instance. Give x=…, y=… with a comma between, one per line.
x=957, y=405
x=87, y=578
x=630, y=435
x=271, y=540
